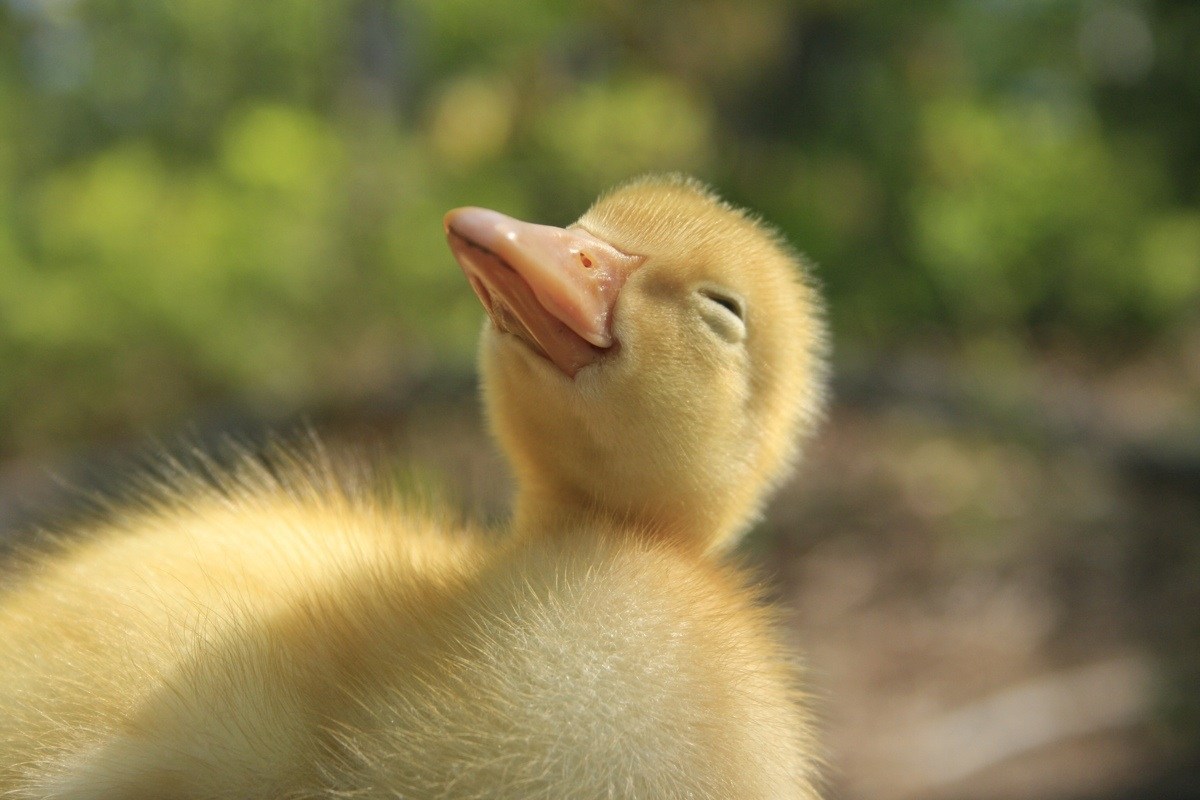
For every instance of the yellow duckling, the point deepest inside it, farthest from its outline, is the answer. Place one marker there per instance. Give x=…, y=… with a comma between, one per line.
x=648, y=371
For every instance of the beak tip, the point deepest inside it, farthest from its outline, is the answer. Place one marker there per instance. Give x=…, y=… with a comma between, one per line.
x=448, y=220
x=479, y=225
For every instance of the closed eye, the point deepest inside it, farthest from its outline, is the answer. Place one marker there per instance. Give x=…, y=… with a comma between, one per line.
x=724, y=312
x=730, y=304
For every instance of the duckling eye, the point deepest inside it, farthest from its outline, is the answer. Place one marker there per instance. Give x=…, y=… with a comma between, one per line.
x=728, y=303
x=724, y=313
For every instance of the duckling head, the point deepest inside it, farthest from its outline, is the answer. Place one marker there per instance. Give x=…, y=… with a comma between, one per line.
x=654, y=363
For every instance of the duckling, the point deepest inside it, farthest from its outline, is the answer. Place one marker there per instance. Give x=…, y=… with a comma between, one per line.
x=648, y=371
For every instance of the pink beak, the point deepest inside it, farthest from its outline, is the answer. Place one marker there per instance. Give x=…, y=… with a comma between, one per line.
x=554, y=288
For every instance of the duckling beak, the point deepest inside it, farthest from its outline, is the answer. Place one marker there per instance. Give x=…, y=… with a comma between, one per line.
x=555, y=288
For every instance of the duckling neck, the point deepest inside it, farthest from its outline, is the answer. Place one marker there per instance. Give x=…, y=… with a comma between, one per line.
x=544, y=512
x=540, y=511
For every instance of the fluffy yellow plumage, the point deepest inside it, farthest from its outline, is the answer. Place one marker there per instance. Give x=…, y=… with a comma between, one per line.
x=302, y=639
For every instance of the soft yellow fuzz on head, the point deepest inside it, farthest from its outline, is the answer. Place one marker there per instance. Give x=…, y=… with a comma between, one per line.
x=695, y=415
x=304, y=638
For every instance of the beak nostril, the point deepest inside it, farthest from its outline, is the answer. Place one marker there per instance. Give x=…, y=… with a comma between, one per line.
x=587, y=262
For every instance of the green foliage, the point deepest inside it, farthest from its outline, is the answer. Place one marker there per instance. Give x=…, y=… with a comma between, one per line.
x=206, y=198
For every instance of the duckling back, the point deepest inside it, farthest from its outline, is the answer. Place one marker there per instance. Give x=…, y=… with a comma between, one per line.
x=289, y=644
x=190, y=644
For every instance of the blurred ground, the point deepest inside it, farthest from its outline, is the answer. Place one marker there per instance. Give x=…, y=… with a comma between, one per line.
x=993, y=599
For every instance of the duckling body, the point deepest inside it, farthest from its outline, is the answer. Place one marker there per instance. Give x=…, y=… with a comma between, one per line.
x=300, y=639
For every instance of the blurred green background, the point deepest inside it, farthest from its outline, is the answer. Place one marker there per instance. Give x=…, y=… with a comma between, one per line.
x=208, y=198
x=214, y=211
